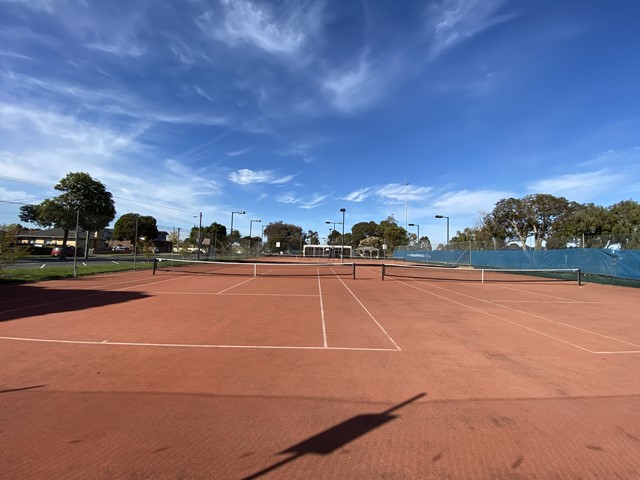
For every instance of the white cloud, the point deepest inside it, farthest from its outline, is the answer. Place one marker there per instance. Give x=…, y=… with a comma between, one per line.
x=358, y=87
x=579, y=186
x=315, y=201
x=358, y=195
x=237, y=153
x=451, y=22
x=46, y=6
x=276, y=32
x=245, y=176
x=396, y=192
x=124, y=48
x=468, y=201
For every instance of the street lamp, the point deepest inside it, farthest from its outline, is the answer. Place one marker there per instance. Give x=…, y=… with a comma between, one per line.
x=250, y=237
x=405, y=205
x=239, y=212
x=444, y=216
x=262, y=239
x=343, y=210
x=199, y=235
x=418, y=226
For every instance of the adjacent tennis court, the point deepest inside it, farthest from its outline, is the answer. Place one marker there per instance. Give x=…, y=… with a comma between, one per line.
x=255, y=370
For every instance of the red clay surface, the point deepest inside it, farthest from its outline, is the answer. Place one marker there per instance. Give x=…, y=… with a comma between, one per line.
x=133, y=376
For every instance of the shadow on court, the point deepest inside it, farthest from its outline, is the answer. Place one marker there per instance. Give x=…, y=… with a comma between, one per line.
x=327, y=441
x=23, y=301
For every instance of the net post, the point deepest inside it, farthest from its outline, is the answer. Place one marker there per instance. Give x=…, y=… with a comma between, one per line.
x=579, y=277
x=155, y=266
x=255, y=269
x=354, y=270
x=382, y=269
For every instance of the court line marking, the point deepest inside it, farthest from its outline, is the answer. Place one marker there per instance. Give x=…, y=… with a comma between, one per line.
x=370, y=315
x=324, y=327
x=512, y=322
x=234, y=286
x=540, y=317
x=239, y=294
x=187, y=345
x=495, y=316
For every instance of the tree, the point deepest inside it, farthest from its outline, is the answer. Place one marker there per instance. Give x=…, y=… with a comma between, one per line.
x=10, y=251
x=313, y=237
x=362, y=230
x=627, y=224
x=125, y=227
x=290, y=237
x=84, y=202
x=392, y=234
x=534, y=215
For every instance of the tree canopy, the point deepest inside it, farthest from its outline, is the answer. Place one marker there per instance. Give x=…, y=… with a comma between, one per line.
x=84, y=201
x=125, y=227
x=290, y=237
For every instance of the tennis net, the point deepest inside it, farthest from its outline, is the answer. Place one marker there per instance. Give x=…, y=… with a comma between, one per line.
x=254, y=269
x=483, y=275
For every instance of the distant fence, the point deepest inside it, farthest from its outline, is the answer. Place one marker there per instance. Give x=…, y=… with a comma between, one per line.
x=595, y=261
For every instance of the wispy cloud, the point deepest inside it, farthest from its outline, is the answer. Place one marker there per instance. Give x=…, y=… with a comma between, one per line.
x=237, y=153
x=246, y=176
x=47, y=6
x=278, y=32
x=578, y=186
x=291, y=198
x=451, y=22
x=15, y=55
x=469, y=201
x=358, y=195
x=315, y=201
x=356, y=88
x=396, y=192
x=125, y=48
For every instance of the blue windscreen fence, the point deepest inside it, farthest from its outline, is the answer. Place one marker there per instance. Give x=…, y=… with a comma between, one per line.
x=618, y=263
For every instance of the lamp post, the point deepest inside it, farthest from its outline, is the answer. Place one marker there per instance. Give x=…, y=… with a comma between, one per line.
x=239, y=212
x=405, y=205
x=444, y=216
x=343, y=210
x=418, y=227
x=199, y=235
x=262, y=239
x=250, y=237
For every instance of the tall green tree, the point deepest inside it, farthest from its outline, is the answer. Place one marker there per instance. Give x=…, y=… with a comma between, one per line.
x=10, y=250
x=532, y=216
x=290, y=237
x=125, y=227
x=83, y=200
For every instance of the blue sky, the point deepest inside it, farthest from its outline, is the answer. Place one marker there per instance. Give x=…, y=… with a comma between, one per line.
x=291, y=110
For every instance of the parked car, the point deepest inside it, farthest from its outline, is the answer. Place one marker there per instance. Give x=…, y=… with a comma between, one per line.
x=69, y=252
x=121, y=249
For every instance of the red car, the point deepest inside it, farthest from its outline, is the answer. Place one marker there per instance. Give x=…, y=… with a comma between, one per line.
x=70, y=251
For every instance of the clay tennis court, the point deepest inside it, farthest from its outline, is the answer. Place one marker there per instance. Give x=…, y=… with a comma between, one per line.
x=179, y=376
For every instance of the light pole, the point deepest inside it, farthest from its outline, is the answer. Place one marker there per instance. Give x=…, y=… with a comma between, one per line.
x=343, y=210
x=418, y=227
x=405, y=205
x=239, y=212
x=199, y=235
x=444, y=216
x=250, y=237
x=262, y=240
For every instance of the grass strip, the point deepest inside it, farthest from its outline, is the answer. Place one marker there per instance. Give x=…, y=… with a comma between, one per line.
x=22, y=275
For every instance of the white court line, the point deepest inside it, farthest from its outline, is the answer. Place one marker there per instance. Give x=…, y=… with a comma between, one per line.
x=540, y=317
x=187, y=345
x=234, y=286
x=495, y=316
x=240, y=294
x=370, y=315
x=324, y=327
x=613, y=353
